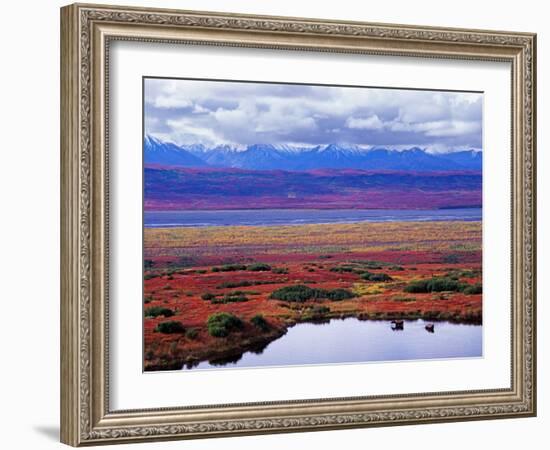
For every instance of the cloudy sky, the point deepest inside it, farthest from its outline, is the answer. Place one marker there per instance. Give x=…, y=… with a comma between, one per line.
x=239, y=114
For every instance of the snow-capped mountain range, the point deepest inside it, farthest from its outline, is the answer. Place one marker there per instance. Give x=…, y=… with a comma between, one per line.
x=287, y=157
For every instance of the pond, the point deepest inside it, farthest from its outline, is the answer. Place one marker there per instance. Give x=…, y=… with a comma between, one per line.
x=352, y=340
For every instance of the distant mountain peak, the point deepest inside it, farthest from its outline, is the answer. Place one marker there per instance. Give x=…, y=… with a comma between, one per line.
x=158, y=152
x=299, y=158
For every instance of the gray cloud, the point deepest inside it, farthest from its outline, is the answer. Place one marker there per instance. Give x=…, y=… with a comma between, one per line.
x=240, y=114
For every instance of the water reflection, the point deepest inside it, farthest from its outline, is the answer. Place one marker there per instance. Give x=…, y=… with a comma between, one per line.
x=353, y=340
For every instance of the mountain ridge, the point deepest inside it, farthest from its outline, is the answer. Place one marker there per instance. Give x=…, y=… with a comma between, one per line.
x=297, y=158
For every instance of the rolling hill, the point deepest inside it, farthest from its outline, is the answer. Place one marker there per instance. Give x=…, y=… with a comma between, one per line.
x=169, y=188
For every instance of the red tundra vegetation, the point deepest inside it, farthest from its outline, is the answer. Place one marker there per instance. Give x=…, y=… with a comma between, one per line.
x=213, y=293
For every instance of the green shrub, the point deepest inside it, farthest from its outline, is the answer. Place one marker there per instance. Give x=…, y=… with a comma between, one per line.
x=148, y=263
x=222, y=324
x=379, y=277
x=301, y=293
x=280, y=270
x=229, y=268
x=443, y=284
x=259, y=267
x=339, y=294
x=342, y=269
x=229, y=298
x=417, y=287
x=259, y=321
x=208, y=296
x=244, y=283
x=473, y=289
x=369, y=264
x=297, y=293
x=156, y=311
x=170, y=327
x=462, y=273
x=435, y=284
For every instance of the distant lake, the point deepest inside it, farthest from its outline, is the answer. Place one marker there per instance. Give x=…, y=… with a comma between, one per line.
x=352, y=340
x=266, y=217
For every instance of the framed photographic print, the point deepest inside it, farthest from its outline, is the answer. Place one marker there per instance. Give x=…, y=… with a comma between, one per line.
x=268, y=221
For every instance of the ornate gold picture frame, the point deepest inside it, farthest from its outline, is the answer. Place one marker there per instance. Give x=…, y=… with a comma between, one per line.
x=87, y=32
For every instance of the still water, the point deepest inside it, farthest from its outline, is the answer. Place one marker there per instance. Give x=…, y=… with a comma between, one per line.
x=267, y=217
x=352, y=340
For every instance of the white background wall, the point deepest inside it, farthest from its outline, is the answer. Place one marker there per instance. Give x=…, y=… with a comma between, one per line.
x=29, y=235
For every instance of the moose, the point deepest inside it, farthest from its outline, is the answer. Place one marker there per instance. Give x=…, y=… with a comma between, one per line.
x=397, y=325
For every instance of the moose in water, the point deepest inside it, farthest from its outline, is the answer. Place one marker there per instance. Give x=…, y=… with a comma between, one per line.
x=397, y=325
x=430, y=327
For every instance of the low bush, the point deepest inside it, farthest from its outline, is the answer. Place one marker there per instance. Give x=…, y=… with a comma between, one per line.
x=339, y=294
x=369, y=264
x=222, y=324
x=228, y=298
x=435, y=284
x=280, y=270
x=301, y=293
x=259, y=267
x=443, y=284
x=417, y=287
x=297, y=293
x=170, y=327
x=229, y=268
x=378, y=277
x=458, y=273
x=259, y=321
x=156, y=311
x=208, y=296
x=244, y=283
x=342, y=269
x=473, y=289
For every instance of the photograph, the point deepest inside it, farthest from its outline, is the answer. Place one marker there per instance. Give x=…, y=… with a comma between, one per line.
x=305, y=224
x=283, y=221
